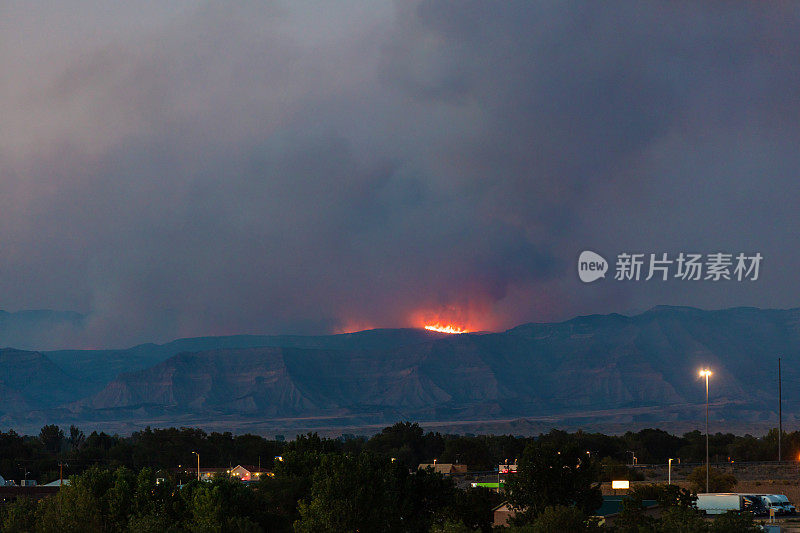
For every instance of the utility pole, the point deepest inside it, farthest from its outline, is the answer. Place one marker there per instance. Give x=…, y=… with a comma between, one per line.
x=704, y=374
x=780, y=410
x=707, y=462
x=198, y=465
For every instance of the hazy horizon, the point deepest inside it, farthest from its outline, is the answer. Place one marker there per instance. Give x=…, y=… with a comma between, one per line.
x=41, y=336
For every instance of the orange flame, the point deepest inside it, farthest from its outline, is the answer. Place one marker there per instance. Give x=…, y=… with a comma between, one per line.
x=446, y=328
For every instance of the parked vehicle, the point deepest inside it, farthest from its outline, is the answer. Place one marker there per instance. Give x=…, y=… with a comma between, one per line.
x=779, y=502
x=790, y=509
x=721, y=503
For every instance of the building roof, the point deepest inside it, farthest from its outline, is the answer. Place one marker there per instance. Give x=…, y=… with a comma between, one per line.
x=445, y=468
x=253, y=469
x=56, y=483
x=505, y=506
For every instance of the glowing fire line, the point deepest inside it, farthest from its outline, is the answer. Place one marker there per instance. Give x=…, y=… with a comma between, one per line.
x=446, y=329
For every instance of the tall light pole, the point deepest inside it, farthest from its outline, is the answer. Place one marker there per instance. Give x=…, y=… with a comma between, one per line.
x=669, y=472
x=198, y=465
x=705, y=373
x=780, y=411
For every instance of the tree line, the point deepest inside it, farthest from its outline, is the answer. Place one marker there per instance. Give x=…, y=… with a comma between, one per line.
x=348, y=485
x=41, y=456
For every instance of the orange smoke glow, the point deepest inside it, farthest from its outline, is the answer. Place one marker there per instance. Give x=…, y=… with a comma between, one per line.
x=446, y=328
x=470, y=316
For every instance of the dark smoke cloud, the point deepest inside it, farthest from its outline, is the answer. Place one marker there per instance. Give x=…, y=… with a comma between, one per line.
x=181, y=170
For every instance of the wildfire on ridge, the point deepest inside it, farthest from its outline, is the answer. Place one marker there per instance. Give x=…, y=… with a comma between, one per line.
x=446, y=328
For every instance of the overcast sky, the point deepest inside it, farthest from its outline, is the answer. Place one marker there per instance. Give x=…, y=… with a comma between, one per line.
x=193, y=168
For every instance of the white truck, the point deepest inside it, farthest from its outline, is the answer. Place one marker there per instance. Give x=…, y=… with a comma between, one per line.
x=779, y=502
x=722, y=502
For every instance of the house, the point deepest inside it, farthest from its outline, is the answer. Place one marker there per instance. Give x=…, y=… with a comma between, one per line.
x=240, y=472
x=207, y=474
x=247, y=473
x=502, y=514
x=445, y=468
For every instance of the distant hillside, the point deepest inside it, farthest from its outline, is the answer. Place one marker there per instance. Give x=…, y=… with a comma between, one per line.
x=610, y=366
x=592, y=371
x=29, y=380
x=98, y=367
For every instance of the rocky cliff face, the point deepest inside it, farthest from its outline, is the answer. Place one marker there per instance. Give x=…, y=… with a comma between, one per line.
x=608, y=368
x=97, y=367
x=29, y=380
x=590, y=364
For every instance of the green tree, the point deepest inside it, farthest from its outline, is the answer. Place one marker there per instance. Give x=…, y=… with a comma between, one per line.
x=665, y=495
x=632, y=518
x=152, y=523
x=404, y=441
x=350, y=494
x=76, y=437
x=472, y=451
x=653, y=445
x=368, y=493
x=561, y=518
x=211, y=505
x=240, y=524
x=19, y=516
x=13, y=450
x=280, y=495
x=451, y=526
x=675, y=496
x=612, y=469
x=206, y=508
x=547, y=477
x=117, y=498
x=681, y=520
x=473, y=508
x=74, y=508
x=51, y=438
x=734, y=522
x=718, y=481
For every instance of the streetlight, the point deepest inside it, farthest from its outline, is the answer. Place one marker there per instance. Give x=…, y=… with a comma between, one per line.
x=705, y=373
x=669, y=471
x=198, y=465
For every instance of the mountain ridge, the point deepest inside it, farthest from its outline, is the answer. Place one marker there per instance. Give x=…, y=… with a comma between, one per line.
x=629, y=369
